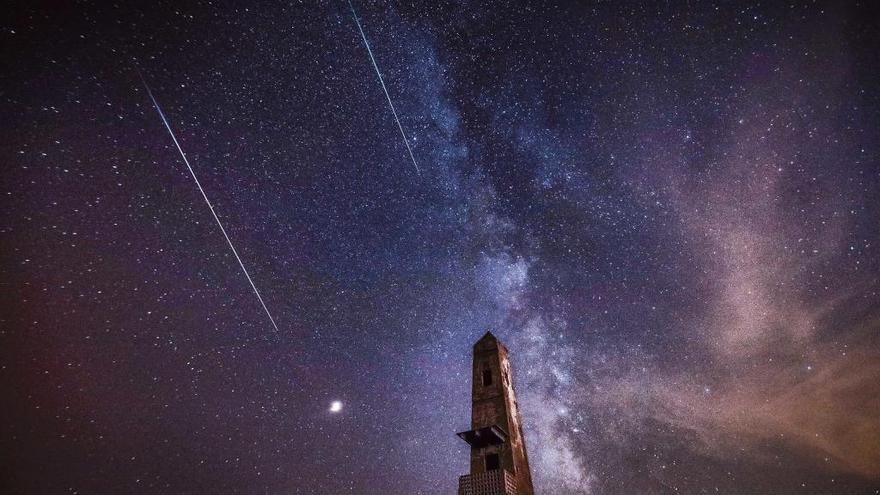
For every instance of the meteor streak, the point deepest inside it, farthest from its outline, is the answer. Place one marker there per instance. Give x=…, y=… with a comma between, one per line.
x=382, y=82
x=210, y=207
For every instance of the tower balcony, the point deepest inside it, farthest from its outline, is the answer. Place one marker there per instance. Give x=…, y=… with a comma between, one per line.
x=497, y=482
x=482, y=437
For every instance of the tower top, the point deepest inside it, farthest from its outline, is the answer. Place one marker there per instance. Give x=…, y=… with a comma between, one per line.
x=488, y=342
x=487, y=337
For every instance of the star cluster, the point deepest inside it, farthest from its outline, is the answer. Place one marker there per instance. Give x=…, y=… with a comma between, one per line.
x=668, y=212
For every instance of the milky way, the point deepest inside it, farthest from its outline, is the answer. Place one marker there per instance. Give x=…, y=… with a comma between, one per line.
x=668, y=213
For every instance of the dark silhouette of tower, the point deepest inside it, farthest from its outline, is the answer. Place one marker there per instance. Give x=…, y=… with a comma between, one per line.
x=499, y=463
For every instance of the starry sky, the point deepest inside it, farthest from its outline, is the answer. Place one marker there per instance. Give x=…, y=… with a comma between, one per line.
x=668, y=212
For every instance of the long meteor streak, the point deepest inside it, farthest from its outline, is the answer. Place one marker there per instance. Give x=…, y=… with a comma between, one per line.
x=382, y=82
x=210, y=207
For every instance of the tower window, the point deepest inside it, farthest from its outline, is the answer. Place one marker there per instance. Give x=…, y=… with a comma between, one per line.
x=493, y=462
x=487, y=377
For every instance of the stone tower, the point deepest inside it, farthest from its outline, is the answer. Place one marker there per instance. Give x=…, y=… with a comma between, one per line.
x=499, y=463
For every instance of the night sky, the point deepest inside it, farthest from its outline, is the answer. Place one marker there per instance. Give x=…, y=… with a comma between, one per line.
x=669, y=214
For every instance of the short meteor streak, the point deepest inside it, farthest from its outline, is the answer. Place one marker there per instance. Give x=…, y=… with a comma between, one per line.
x=210, y=207
x=382, y=82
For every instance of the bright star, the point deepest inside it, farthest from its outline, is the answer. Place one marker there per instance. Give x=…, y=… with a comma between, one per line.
x=335, y=406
